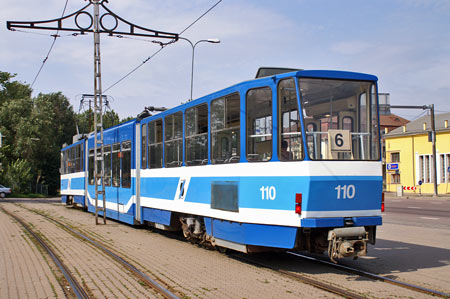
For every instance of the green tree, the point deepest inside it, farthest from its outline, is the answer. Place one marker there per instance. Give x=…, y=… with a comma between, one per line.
x=12, y=90
x=34, y=130
x=19, y=175
x=85, y=120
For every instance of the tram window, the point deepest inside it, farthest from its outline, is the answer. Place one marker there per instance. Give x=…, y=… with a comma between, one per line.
x=375, y=130
x=75, y=158
x=173, y=143
x=81, y=157
x=259, y=124
x=70, y=160
x=116, y=164
x=126, y=164
x=196, y=125
x=290, y=146
x=91, y=167
x=339, y=107
x=144, y=146
x=155, y=144
x=225, y=127
x=107, y=161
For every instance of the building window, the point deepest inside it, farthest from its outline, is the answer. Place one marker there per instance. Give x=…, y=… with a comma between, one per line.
x=425, y=166
x=395, y=178
x=395, y=157
x=444, y=165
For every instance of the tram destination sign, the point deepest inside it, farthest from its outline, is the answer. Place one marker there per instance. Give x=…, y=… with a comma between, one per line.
x=392, y=166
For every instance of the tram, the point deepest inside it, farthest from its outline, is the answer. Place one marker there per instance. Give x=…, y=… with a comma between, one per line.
x=288, y=160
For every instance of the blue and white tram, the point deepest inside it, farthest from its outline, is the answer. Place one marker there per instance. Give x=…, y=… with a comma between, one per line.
x=287, y=161
x=73, y=181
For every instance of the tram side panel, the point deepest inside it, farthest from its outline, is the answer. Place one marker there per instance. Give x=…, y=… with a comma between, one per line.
x=120, y=173
x=72, y=180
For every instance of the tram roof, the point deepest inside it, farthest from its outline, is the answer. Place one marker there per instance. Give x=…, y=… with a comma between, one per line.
x=253, y=83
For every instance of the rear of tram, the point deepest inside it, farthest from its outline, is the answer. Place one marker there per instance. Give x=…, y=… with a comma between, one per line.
x=342, y=204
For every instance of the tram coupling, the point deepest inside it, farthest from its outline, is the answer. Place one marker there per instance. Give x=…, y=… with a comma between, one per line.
x=347, y=242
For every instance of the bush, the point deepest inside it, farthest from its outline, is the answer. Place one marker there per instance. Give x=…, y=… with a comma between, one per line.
x=18, y=176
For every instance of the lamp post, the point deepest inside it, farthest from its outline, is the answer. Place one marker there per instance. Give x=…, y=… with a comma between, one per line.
x=210, y=40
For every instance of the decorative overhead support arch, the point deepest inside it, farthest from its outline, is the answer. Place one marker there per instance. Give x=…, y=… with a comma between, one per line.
x=73, y=23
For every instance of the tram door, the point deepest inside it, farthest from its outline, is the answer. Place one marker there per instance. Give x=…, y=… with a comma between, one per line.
x=114, y=193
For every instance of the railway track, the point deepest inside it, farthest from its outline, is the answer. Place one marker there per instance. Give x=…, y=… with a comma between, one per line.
x=372, y=276
x=304, y=279
x=79, y=291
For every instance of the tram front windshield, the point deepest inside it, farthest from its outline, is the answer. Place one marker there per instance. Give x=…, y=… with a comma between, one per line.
x=340, y=119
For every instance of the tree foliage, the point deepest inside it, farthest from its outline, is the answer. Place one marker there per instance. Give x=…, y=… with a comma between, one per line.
x=19, y=175
x=34, y=130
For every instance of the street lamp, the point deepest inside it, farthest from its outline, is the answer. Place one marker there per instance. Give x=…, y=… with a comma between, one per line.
x=210, y=40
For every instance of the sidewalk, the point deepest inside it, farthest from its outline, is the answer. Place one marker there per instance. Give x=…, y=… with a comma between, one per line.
x=427, y=196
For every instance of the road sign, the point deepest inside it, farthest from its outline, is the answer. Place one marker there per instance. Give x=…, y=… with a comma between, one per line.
x=420, y=183
x=448, y=169
x=409, y=188
x=392, y=166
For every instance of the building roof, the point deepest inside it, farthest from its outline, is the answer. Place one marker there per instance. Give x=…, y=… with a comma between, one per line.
x=392, y=120
x=417, y=126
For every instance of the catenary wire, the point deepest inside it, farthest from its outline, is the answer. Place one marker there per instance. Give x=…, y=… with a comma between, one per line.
x=163, y=45
x=51, y=48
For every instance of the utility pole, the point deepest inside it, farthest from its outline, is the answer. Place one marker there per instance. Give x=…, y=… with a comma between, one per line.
x=96, y=26
x=433, y=140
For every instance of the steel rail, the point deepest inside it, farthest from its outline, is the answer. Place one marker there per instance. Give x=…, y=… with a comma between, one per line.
x=76, y=287
x=141, y=275
x=374, y=276
x=315, y=283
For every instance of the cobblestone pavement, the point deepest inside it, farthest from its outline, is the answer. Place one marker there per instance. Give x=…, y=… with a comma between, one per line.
x=189, y=270
x=193, y=271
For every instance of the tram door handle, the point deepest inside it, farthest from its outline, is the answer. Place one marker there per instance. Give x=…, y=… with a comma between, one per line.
x=181, y=191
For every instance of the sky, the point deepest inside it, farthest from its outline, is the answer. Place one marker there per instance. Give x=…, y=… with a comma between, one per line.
x=405, y=43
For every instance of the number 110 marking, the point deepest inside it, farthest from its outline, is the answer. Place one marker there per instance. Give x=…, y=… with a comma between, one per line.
x=347, y=191
x=268, y=192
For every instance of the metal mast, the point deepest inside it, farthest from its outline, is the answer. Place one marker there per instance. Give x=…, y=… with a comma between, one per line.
x=98, y=119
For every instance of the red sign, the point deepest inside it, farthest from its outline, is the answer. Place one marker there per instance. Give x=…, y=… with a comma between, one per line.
x=409, y=188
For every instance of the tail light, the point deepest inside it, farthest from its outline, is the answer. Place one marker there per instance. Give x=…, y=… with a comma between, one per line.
x=382, y=202
x=298, y=203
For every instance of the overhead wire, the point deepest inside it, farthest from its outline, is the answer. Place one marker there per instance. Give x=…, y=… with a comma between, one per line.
x=163, y=45
x=55, y=36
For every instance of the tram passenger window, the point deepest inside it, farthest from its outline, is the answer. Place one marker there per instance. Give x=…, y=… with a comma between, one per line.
x=290, y=146
x=173, y=143
x=107, y=161
x=76, y=161
x=91, y=167
x=225, y=128
x=196, y=126
x=259, y=124
x=126, y=164
x=81, y=157
x=144, y=146
x=116, y=164
x=155, y=144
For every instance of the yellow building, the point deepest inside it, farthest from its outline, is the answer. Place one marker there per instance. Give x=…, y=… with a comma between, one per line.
x=409, y=156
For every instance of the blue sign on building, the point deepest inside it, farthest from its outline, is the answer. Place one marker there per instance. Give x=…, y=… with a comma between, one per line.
x=392, y=166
